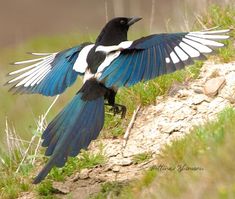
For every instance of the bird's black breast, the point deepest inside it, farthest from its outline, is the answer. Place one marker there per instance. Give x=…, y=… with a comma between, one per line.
x=94, y=59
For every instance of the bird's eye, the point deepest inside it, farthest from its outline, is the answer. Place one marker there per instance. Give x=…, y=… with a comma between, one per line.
x=122, y=22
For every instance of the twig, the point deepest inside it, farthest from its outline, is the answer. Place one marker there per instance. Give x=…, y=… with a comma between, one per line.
x=152, y=16
x=213, y=28
x=200, y=21
x=168, y=21
x=8, y=140
x=126, y=135
x=106, y=10
x=40, y=128
x=8, y=137
x=25, y=153
x=19, y=140
x=186, y=20
x=52, y=104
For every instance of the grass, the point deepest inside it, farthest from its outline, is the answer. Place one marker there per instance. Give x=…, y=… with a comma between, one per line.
x=85, y=160
x=119, y=189
x=109, y=189
x=224, y=18
x=206, y=147
x=141, y=157
x=12, y=183
x=9, y=188
x=46, y=190
x=209, y=147
x=199, y=166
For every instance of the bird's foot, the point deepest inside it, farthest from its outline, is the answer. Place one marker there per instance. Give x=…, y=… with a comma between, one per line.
x=118, y=109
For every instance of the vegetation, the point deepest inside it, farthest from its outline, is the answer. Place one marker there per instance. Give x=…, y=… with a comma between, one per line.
x=198, y=166
x=110, y=189
x=46, y=190
x=84, y=160
x=222, y=18
x=141, y=157
x=206, y=147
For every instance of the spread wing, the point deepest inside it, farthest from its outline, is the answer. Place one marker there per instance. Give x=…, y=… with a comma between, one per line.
x=158, y=54
x=52, y=73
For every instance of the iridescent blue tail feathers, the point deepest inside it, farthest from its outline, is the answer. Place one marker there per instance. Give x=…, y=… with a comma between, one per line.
x=71, y=130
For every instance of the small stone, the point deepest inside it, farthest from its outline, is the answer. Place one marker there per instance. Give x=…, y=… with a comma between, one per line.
x=112, y=149
x=230, y=80
x=124, y=162
x=116, y=168
x=194, y=107
x=61, y=187
x=212, y=86
x=198, y=99
x=183, y=94
x=84, y=174
x=176, y=86
x=198, y=90
x=169, y=128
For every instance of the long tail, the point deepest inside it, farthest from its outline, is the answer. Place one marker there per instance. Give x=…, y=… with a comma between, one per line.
x=72, y=129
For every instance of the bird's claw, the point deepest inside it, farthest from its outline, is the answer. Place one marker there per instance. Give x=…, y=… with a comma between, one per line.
x=118, y=109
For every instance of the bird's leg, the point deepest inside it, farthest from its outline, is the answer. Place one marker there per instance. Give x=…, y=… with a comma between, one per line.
x=116, y=108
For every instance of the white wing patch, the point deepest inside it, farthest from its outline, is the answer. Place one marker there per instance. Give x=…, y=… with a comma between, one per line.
x=80, y=64
x=182, y=55
x=200, y=47
x=33, y=74
x=168, y=60
x=205, y=41
x=211, y=32
x=174, y=58
x=189, y=50
x=195, y=43
x=213, y=37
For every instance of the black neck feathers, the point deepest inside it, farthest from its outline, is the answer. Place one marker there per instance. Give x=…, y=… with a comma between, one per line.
x=114, y=32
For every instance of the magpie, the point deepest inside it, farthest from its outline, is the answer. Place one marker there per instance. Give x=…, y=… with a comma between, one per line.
x=106, y=65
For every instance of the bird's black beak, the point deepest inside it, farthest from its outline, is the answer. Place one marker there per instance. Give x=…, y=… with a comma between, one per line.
x=133, y=20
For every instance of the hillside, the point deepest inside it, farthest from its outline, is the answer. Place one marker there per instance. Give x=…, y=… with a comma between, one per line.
x=171, y=118
x=177, y=139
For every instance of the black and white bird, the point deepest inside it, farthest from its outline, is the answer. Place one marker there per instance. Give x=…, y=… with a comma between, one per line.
x=106, y=65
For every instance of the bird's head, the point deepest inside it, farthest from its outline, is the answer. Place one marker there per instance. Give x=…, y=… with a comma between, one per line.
x=115, y=31
x=121, y=23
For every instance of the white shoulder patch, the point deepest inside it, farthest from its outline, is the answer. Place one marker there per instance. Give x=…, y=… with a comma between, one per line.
x=80, y=64
x=125, y=44
x=112, y=52
x=109, y=58
x=108, y=49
